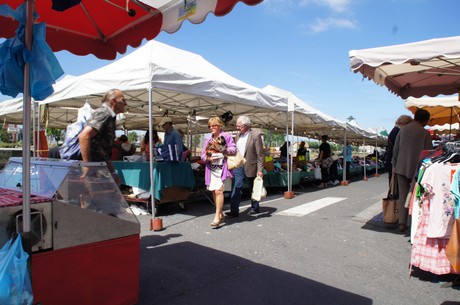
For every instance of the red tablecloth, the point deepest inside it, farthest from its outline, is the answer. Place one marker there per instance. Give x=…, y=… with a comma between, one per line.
x=14, y=198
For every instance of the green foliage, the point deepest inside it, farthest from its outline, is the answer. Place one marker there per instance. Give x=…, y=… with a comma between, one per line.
x=57, y=133
x=197, y=140
x=132, y=137
x=313, y=144
x=10, y=145
x=276, y=139
x=4, y=135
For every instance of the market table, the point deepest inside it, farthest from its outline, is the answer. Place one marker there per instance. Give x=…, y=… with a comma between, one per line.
x=170, y=178
x=277, y=179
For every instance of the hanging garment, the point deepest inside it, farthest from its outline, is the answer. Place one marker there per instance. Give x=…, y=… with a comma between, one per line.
x=433, y=230
x=437, y=181
x=429, y=254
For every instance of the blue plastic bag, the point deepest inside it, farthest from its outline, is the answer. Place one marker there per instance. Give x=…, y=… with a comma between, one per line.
x=15, y=285
x=44, y=66
x=70, y=150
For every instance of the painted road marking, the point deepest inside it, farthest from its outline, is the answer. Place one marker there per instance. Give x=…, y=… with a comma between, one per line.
x=310, y=207
x=370, y=212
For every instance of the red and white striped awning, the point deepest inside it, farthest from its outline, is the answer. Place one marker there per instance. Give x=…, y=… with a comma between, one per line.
x=107, y=27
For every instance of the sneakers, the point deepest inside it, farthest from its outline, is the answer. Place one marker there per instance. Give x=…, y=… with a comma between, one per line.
x=336, y=182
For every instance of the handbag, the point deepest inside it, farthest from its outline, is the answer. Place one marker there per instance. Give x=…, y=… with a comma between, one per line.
x=453, y=246
x=15, y=285
x=258, y=190
x=389, y=204
x=235, y=161
x=328, y=161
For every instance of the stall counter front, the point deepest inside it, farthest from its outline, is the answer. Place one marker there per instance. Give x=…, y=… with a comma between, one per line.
x=277, y=179
x=165, y=174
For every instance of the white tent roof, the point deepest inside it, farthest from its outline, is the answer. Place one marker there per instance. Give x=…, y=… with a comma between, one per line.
x=183, y=83
x=313, y=123
x=11, y=107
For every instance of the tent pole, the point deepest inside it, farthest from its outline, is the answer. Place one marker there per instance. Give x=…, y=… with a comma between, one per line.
x=34, y=124
x=376, y=159
x=27, y=234
x=292, y=147
x=26, y=122
x=364, y=146
x=345, y=156
x=287, y=143
x=152, y=183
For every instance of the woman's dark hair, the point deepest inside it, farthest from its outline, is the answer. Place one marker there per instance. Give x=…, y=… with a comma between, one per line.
x=154, y=136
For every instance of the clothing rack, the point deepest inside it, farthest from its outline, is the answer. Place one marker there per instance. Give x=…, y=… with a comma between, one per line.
x=452, y=147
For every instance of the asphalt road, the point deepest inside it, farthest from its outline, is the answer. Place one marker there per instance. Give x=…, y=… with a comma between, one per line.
x=332, y=249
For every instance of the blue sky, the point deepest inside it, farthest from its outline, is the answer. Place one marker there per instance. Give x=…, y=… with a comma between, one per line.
x=302, y=46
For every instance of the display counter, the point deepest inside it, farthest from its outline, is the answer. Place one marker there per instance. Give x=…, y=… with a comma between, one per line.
x=170, y=178
x=82, y=229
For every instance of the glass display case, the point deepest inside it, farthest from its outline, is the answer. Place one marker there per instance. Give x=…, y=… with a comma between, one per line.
x=88, y=185
x=72, y=202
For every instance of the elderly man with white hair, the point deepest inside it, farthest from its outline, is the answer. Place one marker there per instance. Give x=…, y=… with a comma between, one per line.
x=250, y=145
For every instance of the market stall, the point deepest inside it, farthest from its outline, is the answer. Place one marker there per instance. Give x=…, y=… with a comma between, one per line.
x=81, y=230
x=429, y=67
x=172, y=180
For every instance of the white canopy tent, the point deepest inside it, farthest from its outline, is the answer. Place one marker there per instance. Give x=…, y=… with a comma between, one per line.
x=183, y=85
x=310, y=122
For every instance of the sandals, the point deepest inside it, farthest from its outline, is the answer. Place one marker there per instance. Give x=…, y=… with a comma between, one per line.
x=216, y=224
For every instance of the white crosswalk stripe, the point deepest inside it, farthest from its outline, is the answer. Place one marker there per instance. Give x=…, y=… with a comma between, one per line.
x=310, y=207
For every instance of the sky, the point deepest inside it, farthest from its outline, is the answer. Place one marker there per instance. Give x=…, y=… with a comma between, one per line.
x=302, y=46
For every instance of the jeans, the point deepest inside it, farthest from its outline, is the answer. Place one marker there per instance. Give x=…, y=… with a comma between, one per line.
x=238, y=181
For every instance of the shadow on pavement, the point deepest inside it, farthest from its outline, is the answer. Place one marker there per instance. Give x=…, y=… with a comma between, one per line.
x=187, y=273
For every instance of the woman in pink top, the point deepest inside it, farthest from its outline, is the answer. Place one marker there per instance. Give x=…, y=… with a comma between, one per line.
x=218, y=178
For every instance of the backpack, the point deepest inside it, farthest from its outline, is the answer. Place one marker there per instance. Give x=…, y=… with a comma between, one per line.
x=70, y=150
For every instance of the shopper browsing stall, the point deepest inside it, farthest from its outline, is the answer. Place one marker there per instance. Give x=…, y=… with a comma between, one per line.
x=172, y=147
x=97, y=138
x=411, y=140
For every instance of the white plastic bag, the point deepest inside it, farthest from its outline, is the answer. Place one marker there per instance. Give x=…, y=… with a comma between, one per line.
x=132, y=158
x=84, y=112
x=258, y=190
x=318, y=172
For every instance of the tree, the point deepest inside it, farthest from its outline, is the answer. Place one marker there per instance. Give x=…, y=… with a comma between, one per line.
x=197, y=140
x=276, y=139
x=55, y=132
x=4, y=135
x=132, y=137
